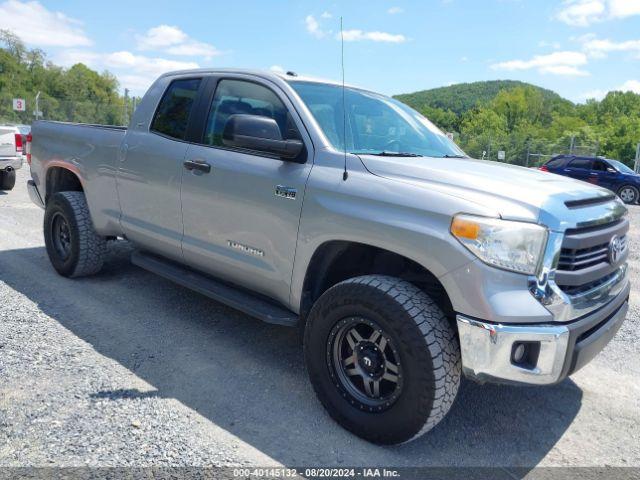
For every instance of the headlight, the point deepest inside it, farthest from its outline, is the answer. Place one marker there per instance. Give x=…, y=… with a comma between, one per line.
x=515, y=246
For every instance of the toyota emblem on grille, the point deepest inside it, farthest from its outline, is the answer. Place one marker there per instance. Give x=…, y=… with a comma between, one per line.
x=616, y=249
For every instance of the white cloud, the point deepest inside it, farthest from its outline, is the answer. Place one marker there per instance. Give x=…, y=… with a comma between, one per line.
x=359, y=35
x=326, y=15
x=313, y=27
x=194, y=49
x=136, y=72
x=630, y=86
x=36, y=25
x=599, y=48
x=174, y=41
x=624, y=8
x=582, y=13
x=557, y=63
x=595, y=94
x=598, y=94
x=395, y=10
x=160, y=37
x=545, y=44
x=276, y=68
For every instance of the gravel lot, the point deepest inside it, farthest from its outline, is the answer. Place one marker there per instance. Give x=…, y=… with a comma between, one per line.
x=126, y=368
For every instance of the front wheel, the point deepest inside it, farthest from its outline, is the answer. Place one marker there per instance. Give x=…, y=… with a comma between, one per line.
x=382, y=358
x=7, y=180
x=628, y=194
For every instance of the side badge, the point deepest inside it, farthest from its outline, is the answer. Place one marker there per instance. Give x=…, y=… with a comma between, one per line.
x=286, y=192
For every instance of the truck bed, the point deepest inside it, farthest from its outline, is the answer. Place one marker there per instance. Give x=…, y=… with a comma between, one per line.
x=91, y=151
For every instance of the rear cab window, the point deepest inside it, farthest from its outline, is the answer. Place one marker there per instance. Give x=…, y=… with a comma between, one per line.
x=175, y=107
x=555, y=162
x=580, y=163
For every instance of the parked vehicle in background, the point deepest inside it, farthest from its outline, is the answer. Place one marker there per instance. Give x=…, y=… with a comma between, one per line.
x=407, y=263
x=12, y=145
x=25, y=130
x=604, y=172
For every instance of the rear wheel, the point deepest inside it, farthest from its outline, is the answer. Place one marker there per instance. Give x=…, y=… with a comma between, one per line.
x=628, y=194
x=73, y=246
x=382, y=358
x=7, y=180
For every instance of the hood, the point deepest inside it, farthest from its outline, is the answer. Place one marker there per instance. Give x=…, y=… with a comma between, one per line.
x=514, y=192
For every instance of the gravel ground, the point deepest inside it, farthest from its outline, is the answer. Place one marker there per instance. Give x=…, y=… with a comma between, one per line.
x=126, y=368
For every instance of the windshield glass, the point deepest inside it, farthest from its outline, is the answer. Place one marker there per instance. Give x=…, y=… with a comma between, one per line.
x=621, y=167
x=375, y=124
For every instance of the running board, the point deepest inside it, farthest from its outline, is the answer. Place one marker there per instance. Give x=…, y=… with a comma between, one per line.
x=234, y=297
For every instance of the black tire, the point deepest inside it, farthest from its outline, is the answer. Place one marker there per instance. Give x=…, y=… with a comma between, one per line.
x=73, y=246
x=629, y=194
x=417, y=332
x=7, y=180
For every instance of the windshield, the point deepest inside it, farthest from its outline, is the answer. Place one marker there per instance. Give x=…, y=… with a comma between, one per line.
x=375, y=124
x=621, y=167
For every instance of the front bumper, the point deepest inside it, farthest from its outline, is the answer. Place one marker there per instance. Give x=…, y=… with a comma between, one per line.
x=554, y=351
x=13, y=163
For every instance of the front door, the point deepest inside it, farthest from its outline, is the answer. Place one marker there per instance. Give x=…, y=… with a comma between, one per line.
x=150, y=172
x=604, y=175
x=241, y=210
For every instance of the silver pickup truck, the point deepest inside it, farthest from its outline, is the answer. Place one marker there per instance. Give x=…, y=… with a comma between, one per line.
x=345, y=212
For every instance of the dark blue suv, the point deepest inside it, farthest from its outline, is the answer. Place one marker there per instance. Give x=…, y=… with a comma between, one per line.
x=604, y=172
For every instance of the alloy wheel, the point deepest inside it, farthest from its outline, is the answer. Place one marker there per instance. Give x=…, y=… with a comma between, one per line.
x=364, y=364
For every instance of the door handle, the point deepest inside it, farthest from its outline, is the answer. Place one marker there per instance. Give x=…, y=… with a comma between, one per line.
x=197, y=165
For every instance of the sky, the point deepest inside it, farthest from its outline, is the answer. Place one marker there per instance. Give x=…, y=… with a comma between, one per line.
x=578, y=48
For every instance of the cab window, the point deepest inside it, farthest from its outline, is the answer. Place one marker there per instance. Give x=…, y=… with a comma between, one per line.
x=581, y=163
x=172, y=116
x=242, y=97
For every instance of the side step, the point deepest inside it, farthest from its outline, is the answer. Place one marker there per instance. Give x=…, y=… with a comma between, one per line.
x=246, y=302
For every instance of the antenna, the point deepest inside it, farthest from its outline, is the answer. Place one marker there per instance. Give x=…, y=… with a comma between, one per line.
x=345, y=175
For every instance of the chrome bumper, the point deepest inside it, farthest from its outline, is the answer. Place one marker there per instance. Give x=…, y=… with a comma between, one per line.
x=14, y=163
x=556, y=351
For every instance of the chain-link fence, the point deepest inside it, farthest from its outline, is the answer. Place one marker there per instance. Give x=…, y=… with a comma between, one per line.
x=521, y=151
x=48, y=108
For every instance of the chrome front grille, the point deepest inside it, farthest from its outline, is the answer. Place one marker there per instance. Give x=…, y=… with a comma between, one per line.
x=586, y=258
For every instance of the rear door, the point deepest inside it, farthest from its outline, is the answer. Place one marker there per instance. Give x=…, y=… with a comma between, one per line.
x=579, y=168
x=7, y=142
x=150, y=170
x=241, y=217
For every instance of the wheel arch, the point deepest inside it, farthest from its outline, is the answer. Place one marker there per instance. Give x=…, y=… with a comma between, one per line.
x=60, y=178
x=337, y=260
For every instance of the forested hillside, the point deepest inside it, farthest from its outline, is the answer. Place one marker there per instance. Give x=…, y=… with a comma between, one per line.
x=530, y=123
x=77, y=94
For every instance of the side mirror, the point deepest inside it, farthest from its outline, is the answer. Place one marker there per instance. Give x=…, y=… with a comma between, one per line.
x=261, y=134
x=611, y=170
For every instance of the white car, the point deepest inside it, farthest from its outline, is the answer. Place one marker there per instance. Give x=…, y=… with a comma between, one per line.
x=11, y=152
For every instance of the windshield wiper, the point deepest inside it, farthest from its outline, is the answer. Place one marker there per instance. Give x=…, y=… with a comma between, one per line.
x=384, y=153
x=453, y=156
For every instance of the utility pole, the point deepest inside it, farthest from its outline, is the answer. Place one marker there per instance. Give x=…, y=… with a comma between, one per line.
x=126, y=101
x=636, y=166
x=572, y=146
x=37, y=112
x=528, y=149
